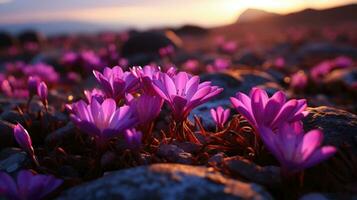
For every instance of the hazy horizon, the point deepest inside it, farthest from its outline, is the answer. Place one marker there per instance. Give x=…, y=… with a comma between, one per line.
x=144, y=14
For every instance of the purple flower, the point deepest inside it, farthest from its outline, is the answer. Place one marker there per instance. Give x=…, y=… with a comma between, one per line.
x=43, y=71
x=23, y=139
x=191, y=65
x=102, y=121
x=184, y=92
x=166, y=51
x=298, y=80
x=343, y=62
x=33, y=83
x=220, y=64
x=132, y=139
x=147, y=108
x=27, y=185
x=115, y=83
x=42, y=92
x=259, y=109
x=229, y=47
x=321, y=70
x=146, y=75
x=293, y=149
x=96, y=93
x=220, y=116
x=279, y=63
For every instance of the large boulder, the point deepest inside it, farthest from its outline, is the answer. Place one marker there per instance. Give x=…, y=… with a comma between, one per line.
x=339, y=126
x=166, y=181
x=143, y=48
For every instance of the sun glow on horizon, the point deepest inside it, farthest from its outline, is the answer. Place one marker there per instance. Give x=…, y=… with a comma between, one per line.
x=167, y=13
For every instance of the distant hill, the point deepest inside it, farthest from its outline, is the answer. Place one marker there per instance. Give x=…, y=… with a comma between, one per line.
x=266, y=25
x=58, y=27
x=254, y=14
x=347, y=13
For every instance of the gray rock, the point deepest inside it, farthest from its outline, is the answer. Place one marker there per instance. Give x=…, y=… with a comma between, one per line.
x=225, y=81
x=325, y=50
x=341, y=78
x=328, y=196
x=61, y=133
x=12, y=117
x=173, y=153
x=339, y=126
x=166, y=181
x=14, y=162
x=249, y=77
x=269, y=175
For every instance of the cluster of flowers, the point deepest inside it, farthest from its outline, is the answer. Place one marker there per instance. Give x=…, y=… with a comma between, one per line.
x=15, y=81
x=278, y=123
x=299, y=80
x=129, y=101
x=132, y=100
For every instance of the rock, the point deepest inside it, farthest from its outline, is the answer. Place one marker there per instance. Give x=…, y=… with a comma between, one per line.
x=325, y=50
x=12, y=117
x=313, y=196
x=173, y=153
x=6, y=40
x=61, y=133
x=166, y=181
x=30, y=36
x=14, y=161
x=6, y=135
x=339, y=126
x=191, y=30
x=328, y=196
x=188, y=146
x=250, y=59
x=277, y=75
x=269, y=175
x=217, y=158
x=249, y=77
x=225, y=81
x=340, y=79
x=143, y=47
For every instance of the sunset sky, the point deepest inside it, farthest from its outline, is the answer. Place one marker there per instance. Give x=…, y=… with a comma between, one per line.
x=145, y=13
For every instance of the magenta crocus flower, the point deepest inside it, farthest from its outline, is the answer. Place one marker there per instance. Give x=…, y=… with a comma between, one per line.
x=102, y=121
x=319, y=71
x=298, y=80
x=33, y=83
x=220, y=116
x=259, y=109
x=146, y=75
x=229, y=47
x=279, y=63
x=23, y=139
x=342, y=62
x=42, y=92
x=27, y=185
x=147, y=108
x=184, y=92
x=115, y=83
x=220, y=64
x=132, y=139
x=191, y=65
x=294, y=149
x=96, y=93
